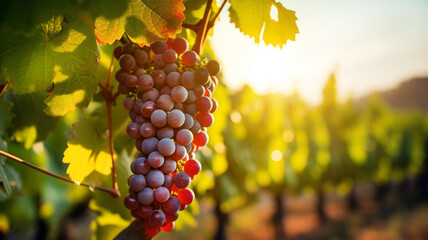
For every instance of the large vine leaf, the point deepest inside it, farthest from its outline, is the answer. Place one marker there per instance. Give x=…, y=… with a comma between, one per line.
x=30, y=123
x=253, y=17
x=61, y=51
x=88, y=149
x=143, y=21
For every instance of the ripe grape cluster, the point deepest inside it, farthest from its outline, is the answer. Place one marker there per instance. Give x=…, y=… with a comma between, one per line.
x=169, y=100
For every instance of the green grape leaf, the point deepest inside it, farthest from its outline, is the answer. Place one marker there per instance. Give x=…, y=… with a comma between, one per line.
x=60, y=55
x=30, y=123
x=5, y=115
x=143, y=21
x=253, y=17
x=88, y=150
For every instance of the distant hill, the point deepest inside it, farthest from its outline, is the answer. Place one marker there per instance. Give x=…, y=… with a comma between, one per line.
x=409, y=95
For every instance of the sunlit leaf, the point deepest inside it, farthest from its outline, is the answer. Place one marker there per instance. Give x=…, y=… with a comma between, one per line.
x=143, y=21
x=63, y=52
x=254, y=19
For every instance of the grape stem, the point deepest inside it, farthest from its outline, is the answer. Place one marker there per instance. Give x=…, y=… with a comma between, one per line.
x=109, y=98
x=202, y=28
x=3, y=87
x=113, y=192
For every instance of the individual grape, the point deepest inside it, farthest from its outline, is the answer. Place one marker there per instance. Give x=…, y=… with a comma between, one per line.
x=190, y=58
x=127, y=62
x=166, y=90
x=179, y=94
x=184, y=137
x=175, y=118
x=133, y=130
x=207, y=93
x=170, y=56
x=147, y=130
x=165, y=103
x=145, y=211
x=179, y=106
x=157, y=218
x=158, y=47
x=159, y=61
x=140, y=119
x=170, y=67
x=162, y=194
x=168, y=227
x=156, y=159
x=137, y=105
x=182, y=180
x=130, y=202
x=149, y=145
x=151, y=95
x=131, y=81
x=204, y=104
x=215, y=105
x=138, y=143
x=159, y=78
x=205, y=119
x=179, y=153
x=166, y=147
x=199, y=91
x=172, y=205
x=169, y=180
x=145, y=82
x=155, y=178
x=188, y=80
x=159, y=118
x=133, y=115
x=196, y=128
x=128, y=103
x=168, y=166
x=191, y=109
x=140, y=166
x=186, y=196
x=139, y=72
x=137, y=183
x=188, y=121
x=213, y=67
x=117, y=52
x=180, y=45
x=165, y=132
x=129, y=48
x=152, y=231
x=192, y=167
x=200, y=139
x=202, y=76
x=147, y=108
x=146, y=196
x=121, y=75
x=171, y=217
x=191, y=97
x=141, y=57
x=123, y=89
x=173, y=79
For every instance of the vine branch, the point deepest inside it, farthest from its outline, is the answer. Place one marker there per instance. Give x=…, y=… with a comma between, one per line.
x=3, y=87
x=114, y=193
x=202, y=28
x=109, y=98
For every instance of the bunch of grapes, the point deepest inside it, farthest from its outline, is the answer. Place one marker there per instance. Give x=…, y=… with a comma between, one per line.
x=169, y=100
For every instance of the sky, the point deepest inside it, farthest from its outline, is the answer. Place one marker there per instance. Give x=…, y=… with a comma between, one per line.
x=369, y=45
